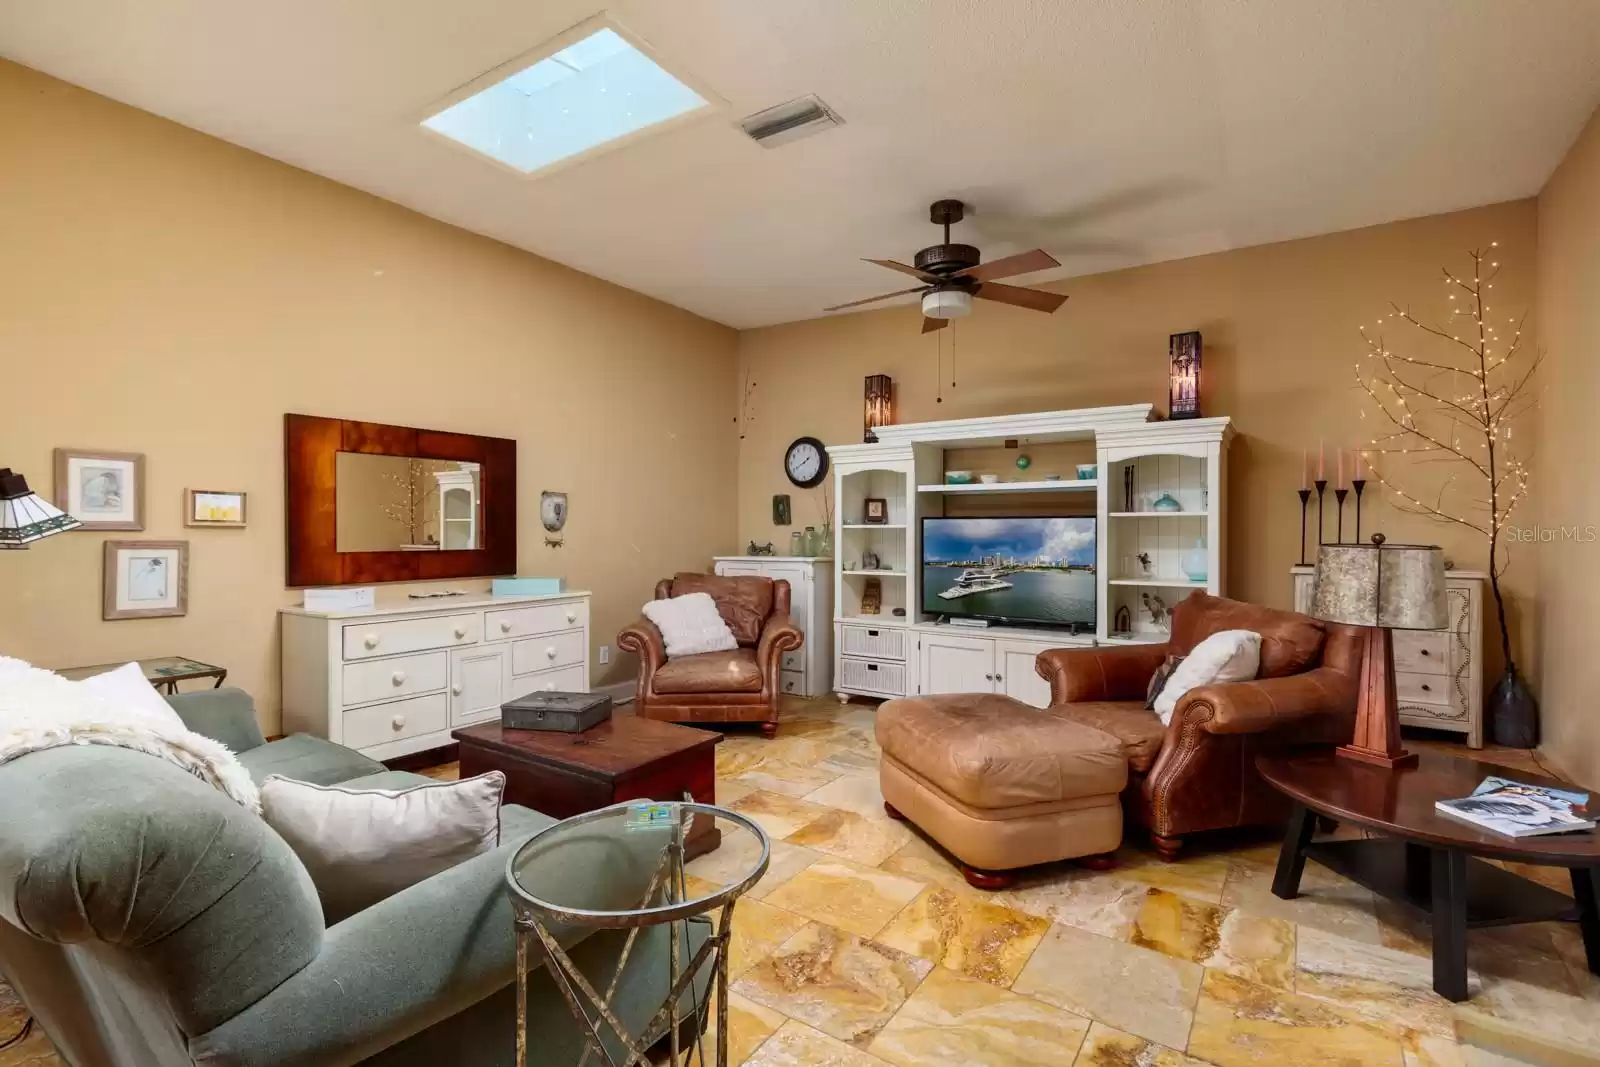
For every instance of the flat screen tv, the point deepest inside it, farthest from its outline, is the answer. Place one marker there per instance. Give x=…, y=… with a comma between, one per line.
x=1028, y=570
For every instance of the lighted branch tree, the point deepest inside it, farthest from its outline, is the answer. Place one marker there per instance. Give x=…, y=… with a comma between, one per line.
x=1459, y=409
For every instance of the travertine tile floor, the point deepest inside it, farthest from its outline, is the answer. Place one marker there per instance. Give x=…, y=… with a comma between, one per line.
x=863, y=946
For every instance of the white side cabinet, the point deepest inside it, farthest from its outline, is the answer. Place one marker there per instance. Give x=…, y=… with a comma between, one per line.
x=952, y=661
x=806, y=671
x=1438, y=674
x=394, y=680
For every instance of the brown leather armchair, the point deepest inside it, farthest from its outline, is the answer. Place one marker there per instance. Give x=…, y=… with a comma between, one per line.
x=737, y=686
x=1198, y=772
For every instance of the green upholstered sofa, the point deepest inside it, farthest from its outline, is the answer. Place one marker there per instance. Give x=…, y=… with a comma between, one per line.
x=147, y=921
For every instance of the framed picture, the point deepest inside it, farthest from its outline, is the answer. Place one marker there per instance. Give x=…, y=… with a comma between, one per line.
x=146, y=579
x=877, y=509
x=102, y=490
x=213, y=507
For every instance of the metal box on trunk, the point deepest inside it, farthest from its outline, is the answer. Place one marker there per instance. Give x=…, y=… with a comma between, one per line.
x=568, y=713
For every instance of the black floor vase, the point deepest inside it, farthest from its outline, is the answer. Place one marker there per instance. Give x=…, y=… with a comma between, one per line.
x=1512, y=711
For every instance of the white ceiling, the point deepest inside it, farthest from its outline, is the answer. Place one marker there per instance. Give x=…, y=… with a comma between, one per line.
x=1111, y=132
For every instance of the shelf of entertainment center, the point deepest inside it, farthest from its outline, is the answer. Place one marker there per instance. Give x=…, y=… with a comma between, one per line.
x=1162, y=583
x=874, y=574
x=1064, y=485
x=872, y=526
x=1158, y=514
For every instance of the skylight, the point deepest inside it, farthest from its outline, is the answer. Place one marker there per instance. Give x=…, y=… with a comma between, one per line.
x=594, y=91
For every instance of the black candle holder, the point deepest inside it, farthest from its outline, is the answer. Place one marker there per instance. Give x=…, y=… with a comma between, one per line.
x=1305, y=498
x=1339, y=495
x=1358, y=484
x=1322, y=487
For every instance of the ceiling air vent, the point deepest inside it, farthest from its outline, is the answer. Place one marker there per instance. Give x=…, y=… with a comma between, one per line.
x=790, y=122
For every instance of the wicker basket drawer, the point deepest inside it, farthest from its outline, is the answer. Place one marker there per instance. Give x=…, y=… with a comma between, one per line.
x=872, y=676
x=872, y=642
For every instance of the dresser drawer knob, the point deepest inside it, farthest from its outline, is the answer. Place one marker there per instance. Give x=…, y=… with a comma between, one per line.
x=505, y=626
x=398, y=678
x=550, y=687
x=371, y=641
x=572, y=616
x=455, y=690
x=550, y=652
x=461, y=631
x=397, y=723
x=1427, y=689
x=1425, y=652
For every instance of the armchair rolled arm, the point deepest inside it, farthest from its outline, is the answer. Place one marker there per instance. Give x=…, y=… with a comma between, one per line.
x=643, y=638
x=778, y=636
x=1319, y=704
x=1078, y=675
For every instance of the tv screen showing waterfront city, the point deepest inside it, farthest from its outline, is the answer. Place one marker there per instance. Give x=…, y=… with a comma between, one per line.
x=1024, y=570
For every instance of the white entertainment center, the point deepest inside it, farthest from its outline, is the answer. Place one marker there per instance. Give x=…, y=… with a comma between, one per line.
x=1142, y=548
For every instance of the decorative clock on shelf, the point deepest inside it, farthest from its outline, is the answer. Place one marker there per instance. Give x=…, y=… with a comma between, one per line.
x=806, y=462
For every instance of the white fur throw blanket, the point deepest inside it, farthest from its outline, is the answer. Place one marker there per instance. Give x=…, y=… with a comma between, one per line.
x=40, y=710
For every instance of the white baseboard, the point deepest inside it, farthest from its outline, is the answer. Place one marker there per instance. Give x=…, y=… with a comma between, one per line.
x=619, y=692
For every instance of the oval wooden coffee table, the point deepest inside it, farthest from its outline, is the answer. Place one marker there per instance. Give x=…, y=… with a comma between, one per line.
x=1425, y=860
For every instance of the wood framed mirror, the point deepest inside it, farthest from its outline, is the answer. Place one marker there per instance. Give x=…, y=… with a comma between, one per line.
x=369, y=502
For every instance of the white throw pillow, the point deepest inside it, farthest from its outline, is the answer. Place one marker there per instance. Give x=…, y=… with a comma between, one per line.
x=690, y=625
x=362, y=845
x=1228, y=656
x=128, y=688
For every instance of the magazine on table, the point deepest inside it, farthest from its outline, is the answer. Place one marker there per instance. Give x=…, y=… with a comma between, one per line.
x=1518, y=809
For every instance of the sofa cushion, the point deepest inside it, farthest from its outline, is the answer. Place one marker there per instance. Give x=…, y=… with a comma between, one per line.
x=990, y=751
x=364, y=845
x=1137, y=727
x=710, y=672
x=1290, y=642
x=227, y=715
x=1227, y=656
x=744, y=601
x=690, y=625
x=307, y=759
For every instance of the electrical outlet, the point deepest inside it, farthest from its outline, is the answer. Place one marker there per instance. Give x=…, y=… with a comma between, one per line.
x=605, y=654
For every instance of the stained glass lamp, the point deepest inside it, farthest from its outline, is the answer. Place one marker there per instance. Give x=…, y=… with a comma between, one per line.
x=25, y=516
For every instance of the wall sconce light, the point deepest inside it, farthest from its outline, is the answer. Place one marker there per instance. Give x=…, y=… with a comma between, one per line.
x=879, y=409
x=1183, y=351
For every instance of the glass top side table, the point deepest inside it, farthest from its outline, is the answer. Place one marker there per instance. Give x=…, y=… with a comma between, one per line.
x=163, y=672
x=622, y=868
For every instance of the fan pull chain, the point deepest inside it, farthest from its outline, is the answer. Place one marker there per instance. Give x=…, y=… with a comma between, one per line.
x=952, y=355
x=938, y=371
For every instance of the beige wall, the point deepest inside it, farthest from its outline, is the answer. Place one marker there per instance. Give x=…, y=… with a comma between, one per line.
x=167, y=293
x=1280, y=327
x=1569, y=581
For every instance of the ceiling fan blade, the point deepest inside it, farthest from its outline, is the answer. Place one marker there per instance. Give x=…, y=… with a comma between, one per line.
x=871, y=299
x=1024, y=263
x=929, y=325
x=1032, y=299
x=903, y=268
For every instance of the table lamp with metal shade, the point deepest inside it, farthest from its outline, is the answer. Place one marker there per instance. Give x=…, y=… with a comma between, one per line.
x=1380, y=587
x=25, y=516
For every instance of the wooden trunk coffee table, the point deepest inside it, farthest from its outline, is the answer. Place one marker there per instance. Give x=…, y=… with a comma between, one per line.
x=1426, y=861
x=623, y=758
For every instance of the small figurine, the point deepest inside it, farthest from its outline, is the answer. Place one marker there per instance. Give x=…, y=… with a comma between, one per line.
x=760, y=550
x=1160, y=617
x=1123, y=621
x=1144, y=564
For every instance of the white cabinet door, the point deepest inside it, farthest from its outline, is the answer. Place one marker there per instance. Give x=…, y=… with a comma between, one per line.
x=951, y=664
x=799, y=590
x=1015, y=675
x=479, y=678
x=730, y=568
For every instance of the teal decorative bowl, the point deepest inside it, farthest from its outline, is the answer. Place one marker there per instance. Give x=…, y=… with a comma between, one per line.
x=1166, y=502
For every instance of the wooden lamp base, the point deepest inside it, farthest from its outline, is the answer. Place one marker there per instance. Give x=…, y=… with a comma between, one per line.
x=1377, y=737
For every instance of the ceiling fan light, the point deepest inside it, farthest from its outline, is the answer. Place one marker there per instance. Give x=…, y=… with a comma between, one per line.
x=947, y=304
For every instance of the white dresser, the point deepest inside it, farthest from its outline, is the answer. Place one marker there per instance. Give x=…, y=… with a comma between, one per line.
x=807, y=671
x=1438, y=674
x=392, y=680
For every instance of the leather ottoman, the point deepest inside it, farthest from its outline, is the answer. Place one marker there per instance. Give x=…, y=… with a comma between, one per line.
x=1001, y=785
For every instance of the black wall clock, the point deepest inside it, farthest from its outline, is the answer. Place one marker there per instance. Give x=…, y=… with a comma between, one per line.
x=806, y=462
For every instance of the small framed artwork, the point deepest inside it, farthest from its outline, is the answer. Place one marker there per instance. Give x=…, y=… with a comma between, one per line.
x=145, y=579
x=877, y=510
x=102, y=490
x=213, y=507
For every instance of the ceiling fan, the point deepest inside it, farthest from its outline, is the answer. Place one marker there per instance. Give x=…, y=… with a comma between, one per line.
x=952, y=274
